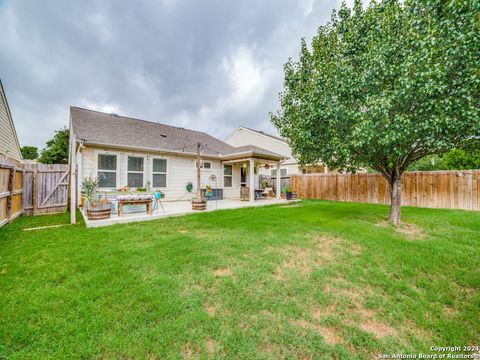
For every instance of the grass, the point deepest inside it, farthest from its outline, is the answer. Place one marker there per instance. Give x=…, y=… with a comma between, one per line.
x=310, y=280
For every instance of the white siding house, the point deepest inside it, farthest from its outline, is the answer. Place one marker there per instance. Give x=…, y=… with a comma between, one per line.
x=243, y=136
x=9, y=145
x=125, y=152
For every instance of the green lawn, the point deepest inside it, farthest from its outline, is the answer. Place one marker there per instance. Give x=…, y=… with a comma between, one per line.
x=310, y=280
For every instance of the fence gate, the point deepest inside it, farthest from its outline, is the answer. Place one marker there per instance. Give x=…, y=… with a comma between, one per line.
x=46, y=188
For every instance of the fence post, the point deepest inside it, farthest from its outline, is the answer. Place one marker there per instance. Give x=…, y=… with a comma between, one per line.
x=35, y=191
x=11, y=182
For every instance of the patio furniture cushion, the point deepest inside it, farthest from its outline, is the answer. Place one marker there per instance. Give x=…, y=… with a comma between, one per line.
x=135, y=197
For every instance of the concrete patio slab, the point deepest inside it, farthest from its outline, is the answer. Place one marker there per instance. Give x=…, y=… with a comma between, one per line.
x=178, y=208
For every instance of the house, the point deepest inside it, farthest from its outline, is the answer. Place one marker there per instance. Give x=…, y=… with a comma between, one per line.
x=244, y=136
x=9, y=145
x=123, y=151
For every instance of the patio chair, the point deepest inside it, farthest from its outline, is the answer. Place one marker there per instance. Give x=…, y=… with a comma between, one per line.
x=267, y=192
x=244, y=193
x=158, y=200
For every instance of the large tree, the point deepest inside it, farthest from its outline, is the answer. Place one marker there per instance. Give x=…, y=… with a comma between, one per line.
x=29, y=152
x=385, y=86
x=56, y=151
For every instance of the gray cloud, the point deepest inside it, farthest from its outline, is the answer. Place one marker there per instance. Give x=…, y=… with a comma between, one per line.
x=206, y=65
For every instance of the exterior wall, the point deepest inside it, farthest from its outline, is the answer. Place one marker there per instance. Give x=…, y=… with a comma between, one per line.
x=243, y=137
x=180, y=171
x=8, y=138
x=292, y=169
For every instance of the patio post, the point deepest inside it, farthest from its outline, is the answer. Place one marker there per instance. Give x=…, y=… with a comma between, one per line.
x=73, y=178
x=279, y=182
x=252, y=179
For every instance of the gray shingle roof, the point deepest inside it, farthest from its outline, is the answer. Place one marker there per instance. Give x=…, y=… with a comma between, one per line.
x=109, y=129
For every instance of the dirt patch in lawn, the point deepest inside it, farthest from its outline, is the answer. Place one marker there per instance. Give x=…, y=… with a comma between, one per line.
x=306, y=260
x=410, y=231
x=210, y=309
x=356, y=299
x=330, y=334
x=319, y=313
x=211, y=346
x=379, y=330
x=222, y=272
x=190, y=351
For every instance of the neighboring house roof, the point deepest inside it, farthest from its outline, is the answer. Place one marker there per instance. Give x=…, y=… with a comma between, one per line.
x=100, y=128
x=9, y=144
x=258, y=132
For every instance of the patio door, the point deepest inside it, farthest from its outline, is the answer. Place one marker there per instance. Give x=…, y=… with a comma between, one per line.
x=243, y=176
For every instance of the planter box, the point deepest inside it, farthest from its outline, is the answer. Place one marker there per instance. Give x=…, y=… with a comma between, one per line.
x=199, y=204
x=99, y=210
x=291, y=195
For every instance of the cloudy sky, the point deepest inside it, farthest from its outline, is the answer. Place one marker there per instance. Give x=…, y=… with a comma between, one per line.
x=208, y=65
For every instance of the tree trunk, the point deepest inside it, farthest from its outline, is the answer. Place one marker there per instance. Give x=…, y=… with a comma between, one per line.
x=395, y=199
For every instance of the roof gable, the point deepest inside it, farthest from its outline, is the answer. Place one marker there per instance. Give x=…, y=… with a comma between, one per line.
x=258, y=132
x=9, y=144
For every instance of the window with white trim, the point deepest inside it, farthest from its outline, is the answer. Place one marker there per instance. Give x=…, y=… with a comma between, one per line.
x=159, y=173
x=227, y=175
x=135, y=171
x=283, y=172
x=107, y=171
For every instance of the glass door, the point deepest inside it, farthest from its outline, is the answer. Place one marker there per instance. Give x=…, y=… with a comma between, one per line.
x=243, y=176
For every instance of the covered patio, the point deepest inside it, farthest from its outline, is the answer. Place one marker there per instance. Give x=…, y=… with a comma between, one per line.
x=177, y=208
x=257, y=158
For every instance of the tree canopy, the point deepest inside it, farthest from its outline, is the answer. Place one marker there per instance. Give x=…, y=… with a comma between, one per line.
x=456, y=159
x=383, y=87
x=29, y=152
x=56, y=150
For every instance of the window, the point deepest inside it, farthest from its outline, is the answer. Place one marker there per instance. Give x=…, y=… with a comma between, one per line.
x=107, y=171
x=207, y=165
x=159, y=173
x=227, y=175
x=135, y=171
x=283, y=172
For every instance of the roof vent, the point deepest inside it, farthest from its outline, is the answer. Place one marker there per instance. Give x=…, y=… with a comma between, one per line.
x=163, y=135
x=113, y=114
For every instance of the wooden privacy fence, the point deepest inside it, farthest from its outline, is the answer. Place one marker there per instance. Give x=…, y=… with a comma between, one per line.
x=31, y=189
x=11, y=190
x=430, y=189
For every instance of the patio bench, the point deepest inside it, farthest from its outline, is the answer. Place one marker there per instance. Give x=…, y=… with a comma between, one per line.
x=146, y=200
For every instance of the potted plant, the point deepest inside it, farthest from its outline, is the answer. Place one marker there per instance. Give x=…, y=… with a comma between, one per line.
x=96, y=209
x=287, y=190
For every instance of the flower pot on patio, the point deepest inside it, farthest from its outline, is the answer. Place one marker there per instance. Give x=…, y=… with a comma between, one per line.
x=99, y=210
x=199, y=204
